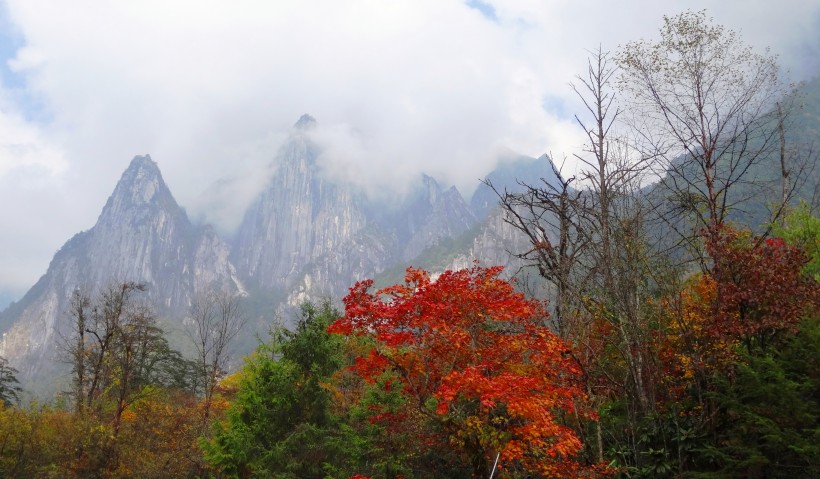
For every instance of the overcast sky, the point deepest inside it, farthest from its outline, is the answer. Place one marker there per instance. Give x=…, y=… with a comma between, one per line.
x=210, y=88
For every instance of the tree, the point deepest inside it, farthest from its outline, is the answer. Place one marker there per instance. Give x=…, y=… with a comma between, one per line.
x=9, y=386
x=602, y=263
x=280, y=423
x=549, y=215
x=117, y=348
x=159, y=436
x=36, y=441
x=801, y=228
x=769, y=419
x=702, y=99
x=116, y=351
x=215, y=320
x=477, y=363
x=761, y=291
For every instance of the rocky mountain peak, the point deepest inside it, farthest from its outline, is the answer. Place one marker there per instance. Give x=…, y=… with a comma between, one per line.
x=305, y=122
x=432, y=190
x=142, y=176
x=142, y=235
x=140, y=188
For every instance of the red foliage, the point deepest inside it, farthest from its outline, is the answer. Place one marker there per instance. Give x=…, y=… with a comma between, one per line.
x=760, y=289
x=476, y=357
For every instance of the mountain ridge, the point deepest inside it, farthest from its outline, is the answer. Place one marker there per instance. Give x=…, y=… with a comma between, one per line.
x=303, y=238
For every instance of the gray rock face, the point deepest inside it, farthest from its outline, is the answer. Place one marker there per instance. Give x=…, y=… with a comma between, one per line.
x=141, y=235
x=492, y=244
x=431, y=215
x=305, y=234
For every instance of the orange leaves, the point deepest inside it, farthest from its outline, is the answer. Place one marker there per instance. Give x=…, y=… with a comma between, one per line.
x=689, y=349
x=476, y=357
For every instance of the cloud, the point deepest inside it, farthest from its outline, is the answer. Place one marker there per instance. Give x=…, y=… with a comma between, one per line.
x=209, y=87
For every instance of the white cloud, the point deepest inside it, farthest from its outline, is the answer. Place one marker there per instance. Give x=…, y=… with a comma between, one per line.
x=23, y=146
x=208, y=87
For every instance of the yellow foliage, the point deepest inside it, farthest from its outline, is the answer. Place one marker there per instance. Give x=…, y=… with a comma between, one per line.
x=691, y=348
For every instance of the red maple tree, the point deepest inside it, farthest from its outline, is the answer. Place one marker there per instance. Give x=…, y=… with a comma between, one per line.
x=476, y=359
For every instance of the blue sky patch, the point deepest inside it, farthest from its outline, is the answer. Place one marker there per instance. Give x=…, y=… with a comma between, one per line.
x=10, y=41
x=485, y=8
x=556, y=105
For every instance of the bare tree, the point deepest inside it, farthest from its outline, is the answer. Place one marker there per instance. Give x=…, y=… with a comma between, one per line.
x=591, y=243
x=547, y=214
x=98, y=330
x=703, y=98
x=796, y=162
x=116, y=348
x=215, y=320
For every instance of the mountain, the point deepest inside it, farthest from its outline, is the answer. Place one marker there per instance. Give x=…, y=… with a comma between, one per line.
x=490, y=239
x=305, y=237
x=302, y=232
x=430, y=215
x=141, y=235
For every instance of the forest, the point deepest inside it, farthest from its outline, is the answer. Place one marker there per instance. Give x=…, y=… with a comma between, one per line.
x=680, y=337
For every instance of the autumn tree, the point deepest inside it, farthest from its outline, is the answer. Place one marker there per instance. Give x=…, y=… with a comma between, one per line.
x=591, y=242
x=36, y=441
x=761, y=416
x=477, y=362
x=159, y=436
x=761, y=291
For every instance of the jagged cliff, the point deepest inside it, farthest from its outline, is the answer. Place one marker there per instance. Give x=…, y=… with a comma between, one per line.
x=431, y=215
x=305, y=233
x=307, y=236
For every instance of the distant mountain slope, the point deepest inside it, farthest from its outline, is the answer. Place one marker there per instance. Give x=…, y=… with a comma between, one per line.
x=490, y=240
x=509, y=176
x=755, y=194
